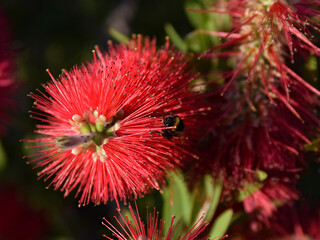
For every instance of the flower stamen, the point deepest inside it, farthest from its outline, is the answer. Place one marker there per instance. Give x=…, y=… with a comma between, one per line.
x=91, y=135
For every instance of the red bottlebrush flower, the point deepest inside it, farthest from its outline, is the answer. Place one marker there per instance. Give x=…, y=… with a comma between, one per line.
x=269, y=138
x=263, y=30
x=115, y=125
x=294, y=23
x=296, y=221
x=265, y=112
x=245, y=138
x=6, y=72
x=153, y=230
x=263, y=204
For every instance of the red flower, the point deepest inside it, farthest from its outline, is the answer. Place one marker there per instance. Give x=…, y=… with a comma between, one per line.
x=263, y=30
x=248, y=136
x=246, y=140
x=265, y=112
x=297, y=221
x=153, y=230
x=263, y=204
x=294, y=23
x=114, y=126
x=6, y=72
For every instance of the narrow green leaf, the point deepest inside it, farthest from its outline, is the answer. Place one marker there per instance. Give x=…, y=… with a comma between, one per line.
x=175, y=37
x=214, y=192
x=221, y=224
x=186, y=202
x=118, y=36
x=177, y=202
x=3, y=157
x=197, y=19
x=211, y=195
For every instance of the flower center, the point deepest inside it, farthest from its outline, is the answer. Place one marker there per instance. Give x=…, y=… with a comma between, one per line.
x=93, y=131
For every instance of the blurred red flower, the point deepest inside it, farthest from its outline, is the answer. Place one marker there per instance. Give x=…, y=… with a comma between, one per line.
x=264, y=113
x=262, y=33
x=7, y=82
x=299, y=220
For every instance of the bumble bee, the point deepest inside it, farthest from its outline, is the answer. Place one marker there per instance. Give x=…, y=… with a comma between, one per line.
x=172, y=121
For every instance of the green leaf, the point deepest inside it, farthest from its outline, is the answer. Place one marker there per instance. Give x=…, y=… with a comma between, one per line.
x=62, y=238
x=186, y=202
x=3, y=157
x=120, y=37
x=197, y=19
x=127, y=214
x=196, y=41
x=177, y=202
x=175, y=37
x=262, y=175
x=213, y=192
x=313, y=146
x=249, y=190
x=221, y=224
x=208, y=196
x=312, y=63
